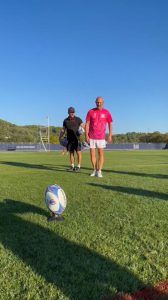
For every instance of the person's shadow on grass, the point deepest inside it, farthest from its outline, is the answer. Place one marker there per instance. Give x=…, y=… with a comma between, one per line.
x=45, y=167
x=33, y=166
x=80, y=273
x=158, y=176
x=131, y=191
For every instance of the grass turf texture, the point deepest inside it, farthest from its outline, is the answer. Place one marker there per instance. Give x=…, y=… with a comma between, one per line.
x=157, y=292
x=113, y=239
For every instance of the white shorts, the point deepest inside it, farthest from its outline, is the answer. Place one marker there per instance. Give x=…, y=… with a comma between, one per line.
x=97, y=144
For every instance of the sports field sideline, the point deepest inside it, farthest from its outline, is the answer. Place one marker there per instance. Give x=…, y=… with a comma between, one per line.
x=113, y=239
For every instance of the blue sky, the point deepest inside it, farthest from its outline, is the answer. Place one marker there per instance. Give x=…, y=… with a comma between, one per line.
x=60, y=53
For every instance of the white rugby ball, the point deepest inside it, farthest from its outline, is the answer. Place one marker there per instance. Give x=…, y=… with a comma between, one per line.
x=55, y=199
x=81, y=130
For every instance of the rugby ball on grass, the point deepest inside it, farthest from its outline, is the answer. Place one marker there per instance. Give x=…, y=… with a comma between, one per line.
x=55, y=199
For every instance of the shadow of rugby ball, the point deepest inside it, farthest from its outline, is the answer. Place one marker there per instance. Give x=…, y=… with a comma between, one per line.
x=55, y=199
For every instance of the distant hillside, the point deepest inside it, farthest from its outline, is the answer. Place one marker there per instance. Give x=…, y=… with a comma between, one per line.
x=11, y=133
x=25, y=134
x=140, y=137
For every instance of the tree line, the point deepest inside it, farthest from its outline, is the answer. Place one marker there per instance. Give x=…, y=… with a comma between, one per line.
x=141, y=137
x=11, y=133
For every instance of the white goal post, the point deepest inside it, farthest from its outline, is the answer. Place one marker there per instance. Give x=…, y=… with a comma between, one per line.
x=45, y=136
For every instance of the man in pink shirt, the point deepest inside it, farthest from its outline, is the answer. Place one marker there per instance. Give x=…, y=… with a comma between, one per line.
x=95, y=132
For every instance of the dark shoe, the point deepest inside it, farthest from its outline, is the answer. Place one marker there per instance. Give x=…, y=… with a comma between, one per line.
x=55, y=218
x=77, y=169
x=71, y=169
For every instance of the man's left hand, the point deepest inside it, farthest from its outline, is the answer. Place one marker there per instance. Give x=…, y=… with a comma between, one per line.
x=109, y=140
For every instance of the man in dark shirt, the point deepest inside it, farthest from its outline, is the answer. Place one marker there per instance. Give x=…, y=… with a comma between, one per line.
x=71, y=127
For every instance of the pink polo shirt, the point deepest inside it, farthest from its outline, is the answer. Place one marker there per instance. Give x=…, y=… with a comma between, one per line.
x=98, y=120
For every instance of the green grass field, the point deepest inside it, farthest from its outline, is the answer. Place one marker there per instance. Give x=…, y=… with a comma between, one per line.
x=113, y=239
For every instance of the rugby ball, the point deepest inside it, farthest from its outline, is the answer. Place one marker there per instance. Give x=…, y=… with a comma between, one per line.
x=55, y=199
x=64, y=142
x=81, y=130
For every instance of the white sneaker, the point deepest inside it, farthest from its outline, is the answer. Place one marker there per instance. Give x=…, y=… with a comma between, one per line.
x=99, y=174
x=94, y=173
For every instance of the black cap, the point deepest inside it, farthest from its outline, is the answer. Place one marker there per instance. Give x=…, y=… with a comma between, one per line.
x=71, y=109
